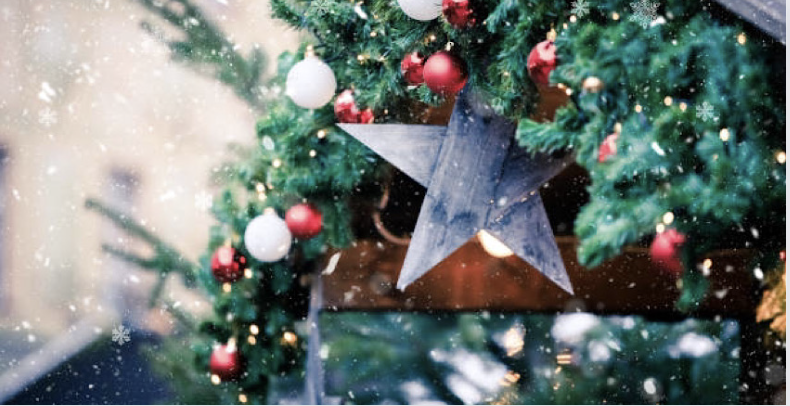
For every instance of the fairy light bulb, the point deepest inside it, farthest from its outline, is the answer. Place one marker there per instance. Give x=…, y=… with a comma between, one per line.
x=493, y=246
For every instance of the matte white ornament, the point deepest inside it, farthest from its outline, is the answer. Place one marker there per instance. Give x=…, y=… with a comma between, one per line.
x=310, y=83
x=267, y=237
x=423, y=10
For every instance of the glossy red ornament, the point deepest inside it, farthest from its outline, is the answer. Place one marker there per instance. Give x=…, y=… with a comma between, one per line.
x=227, y=264
x=664, y=251
x=225, y=362
x=346, y=109
x=541, y=61
x=366, y=116
x=608, y=147
x=411, y=67
x=304, y=221
x=458, y=13
x=445, y=73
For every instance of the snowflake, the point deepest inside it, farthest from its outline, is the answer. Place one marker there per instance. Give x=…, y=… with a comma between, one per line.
x=47, y=117
x=580, y=7
x=120, y=335
x=644, y=12
x=203, y=201
x=320, y=7
x=705, y=112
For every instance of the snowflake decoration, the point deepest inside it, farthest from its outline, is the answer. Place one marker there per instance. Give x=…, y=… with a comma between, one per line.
x=705, y=112
x=120, y=335
x=47, y=117
x=203, y=201
x=320, y=7
x=580, y=7
x=645, y=12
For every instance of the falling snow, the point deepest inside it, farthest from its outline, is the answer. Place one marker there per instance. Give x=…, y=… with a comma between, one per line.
x=580, y=7
x=47, y=117
x=120, y=335
x=644, y=12
x=706, y=112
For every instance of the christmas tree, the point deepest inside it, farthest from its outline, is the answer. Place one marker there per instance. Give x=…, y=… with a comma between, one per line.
x=672, y=108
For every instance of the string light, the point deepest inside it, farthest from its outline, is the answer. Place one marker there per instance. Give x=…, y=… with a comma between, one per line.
x=260, y=188
x=510, y=378
x=215, y=379
x=707, y=263
x=638, y=108
x=683, y=106
x=668, y=218
x=742, y=38
x=254, y=330
x=660, y=228
x=615, y=16
x=492, y=245
x=514, y=340
x=724, y=134
x=277, y=163
x=289, y=338
x=248, y=273
x=242, y=398
x=781, y=157
x=251, y=340
x=312, y=153
x=564, y=358
x=667, y=101
x=321, y=134
x=226, y=287
x=573, y=19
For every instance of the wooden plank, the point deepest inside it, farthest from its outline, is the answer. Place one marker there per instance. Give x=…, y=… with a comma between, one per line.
x=411, y=148
x=460, y=192
x=768, y=15
x=470, y=280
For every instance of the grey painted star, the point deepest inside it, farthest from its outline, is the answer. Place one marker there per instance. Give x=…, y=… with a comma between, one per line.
x=477, y=179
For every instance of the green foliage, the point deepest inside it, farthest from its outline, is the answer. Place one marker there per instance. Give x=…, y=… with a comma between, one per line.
x=376, y=358
x=671, y=159
x=205, y=47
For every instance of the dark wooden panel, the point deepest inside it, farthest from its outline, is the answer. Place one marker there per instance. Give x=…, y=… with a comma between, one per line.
x=471, y=280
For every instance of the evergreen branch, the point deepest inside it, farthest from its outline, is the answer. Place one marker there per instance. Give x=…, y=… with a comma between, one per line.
x=165, y=258
x=206, y=46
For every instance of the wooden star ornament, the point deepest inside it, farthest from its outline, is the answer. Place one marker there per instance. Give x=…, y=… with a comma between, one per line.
x=477, y=179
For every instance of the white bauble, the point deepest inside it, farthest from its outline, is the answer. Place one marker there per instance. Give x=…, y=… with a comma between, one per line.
x=423, y=10
x=310, y=83
x=267, y=237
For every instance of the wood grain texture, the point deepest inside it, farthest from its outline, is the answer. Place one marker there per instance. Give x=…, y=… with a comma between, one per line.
x=769, y=15
x=413, y=149
x=477, y=179
x=471, y=280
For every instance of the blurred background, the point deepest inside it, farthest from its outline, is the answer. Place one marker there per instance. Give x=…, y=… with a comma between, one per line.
x=92, y=106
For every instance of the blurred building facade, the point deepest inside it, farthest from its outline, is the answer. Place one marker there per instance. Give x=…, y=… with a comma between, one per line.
x=91, y=106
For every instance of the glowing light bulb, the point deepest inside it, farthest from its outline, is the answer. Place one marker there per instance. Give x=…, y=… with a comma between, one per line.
x=493, y=246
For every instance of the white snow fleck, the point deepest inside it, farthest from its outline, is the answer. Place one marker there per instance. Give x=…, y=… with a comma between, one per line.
x=692, y=345
x=571, y=328
x=657, y=148
x=120, y=335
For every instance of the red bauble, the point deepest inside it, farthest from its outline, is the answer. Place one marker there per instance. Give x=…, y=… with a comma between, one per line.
x=347, y=112
x=541, y=61
x=366, y=116
x=664, y=251
x=226, y=363
x=608, y=147
x=304, y=221
x=458, y=13
x=227, y=264
x=411, y=68
x=445, y=73
x=346, y=109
